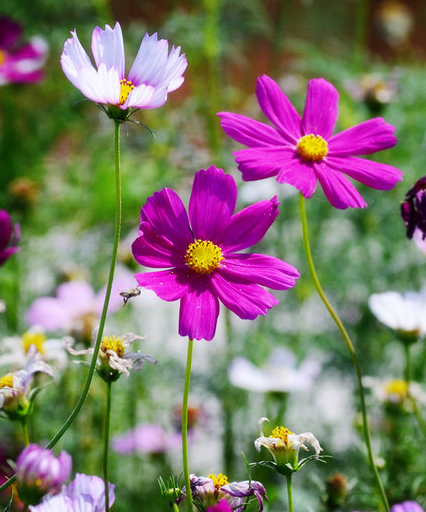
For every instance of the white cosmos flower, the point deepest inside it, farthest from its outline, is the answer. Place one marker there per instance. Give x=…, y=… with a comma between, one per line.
x=155, y=72
x=405, y=313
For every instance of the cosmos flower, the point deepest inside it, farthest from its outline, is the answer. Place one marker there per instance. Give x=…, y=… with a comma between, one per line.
x=210, y=491
x=152, y=76
x=279, y=375
x=407, y=506
x=404, y=313
x=148, y=438
x=19, y=63
x=201, y=254
x=39, y=472
x=9, y=234
x=413, y=213
x=85, y=493
x=303, y=151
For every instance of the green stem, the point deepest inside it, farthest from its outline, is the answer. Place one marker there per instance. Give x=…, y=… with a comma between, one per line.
x=289, y=493
x=366, y=429
x=189, y=503
x=175, y=507
x=117, y=229
x=407, y=377
x=25, y=431
x=407, y=370
x=106, y=443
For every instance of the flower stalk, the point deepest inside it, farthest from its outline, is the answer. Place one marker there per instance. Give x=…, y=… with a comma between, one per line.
x=106, y=442
x=349, y=344
x=289, y=493
x=185, y=426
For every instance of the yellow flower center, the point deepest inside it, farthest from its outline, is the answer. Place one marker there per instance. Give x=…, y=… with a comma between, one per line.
x=33, y=338
x=281, y=433
x=114, y=344
x=312, y=148
x=219, y=481
x=125, y=87
x=3, y=56
x=203, y=256
x=397, y=388
x=6, y=381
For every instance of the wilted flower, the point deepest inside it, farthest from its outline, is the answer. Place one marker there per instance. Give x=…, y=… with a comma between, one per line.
x=9, y=236
x=152, y=76
x=405, y=313
x=19, y=63
x=113, y=360
x=144, y=439
x=336, y=492
x=413, y=210
x=279, y=375
x=303, y=151
x=284, y=446
x=40, y=472
x=86, y=493
x=76, y=308
x=201, y=255
x=210, y=491
x=16, y=396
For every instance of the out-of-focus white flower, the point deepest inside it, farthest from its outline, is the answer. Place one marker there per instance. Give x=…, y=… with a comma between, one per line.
x=280, y=374
x=404, y=313
x=394, y=390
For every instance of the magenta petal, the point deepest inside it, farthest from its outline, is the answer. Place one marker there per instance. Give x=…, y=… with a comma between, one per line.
x=320, y=115
x=212, y=202
x=301, y=175
x=260, y=163
x=338, y=189
x=260, y=269
x=199, y=309
x=154, y=250
x=167, y=284
x=373, y=174
x=363, y=139
x=278, y=109
x=246, y=300
x=10, y=32
x=5, y=229
x=248, y=131
x=167, y=215
x=249, y=226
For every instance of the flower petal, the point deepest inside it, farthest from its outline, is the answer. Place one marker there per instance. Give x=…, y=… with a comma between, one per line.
x=248, y=131
x=365, y=138
x=102, y=86
x=199, y=310
x=140, y=97
x=5, y=229
x=260, y=269
x=167, y=284
x=249, y=226
x=212, y=203
x=278, y=109
x=166, y=214
x=373, y=174
x=320, y=115
x=263, y=162
x=337, y=188
x=74, y=58
x=248, y=301
x=108, y=48
x=50, y=313
x=300, y=174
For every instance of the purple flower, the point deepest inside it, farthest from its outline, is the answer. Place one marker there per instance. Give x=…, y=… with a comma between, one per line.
x=9, y=234
x=39, y=472
x=407, y=506
x=86, y=493
x=143, y=439
x=303, y=151
x=222, y=506
x=19, y=64
x=201, y=253
x=152, y=76
x=413, y=209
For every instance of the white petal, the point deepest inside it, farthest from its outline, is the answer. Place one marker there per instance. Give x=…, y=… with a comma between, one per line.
x=74, y=58
x=140, y=97
x=108, y=48
x=102, y=86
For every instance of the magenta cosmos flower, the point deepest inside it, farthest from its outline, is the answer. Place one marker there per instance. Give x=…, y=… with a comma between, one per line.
x=303, y=151
x=19, y=63
x=200, y=254
x=152, y=76
x=9, y=237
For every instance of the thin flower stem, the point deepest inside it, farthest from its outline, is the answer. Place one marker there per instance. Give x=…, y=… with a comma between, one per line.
x=106, y=443
x=117, y=229
x=407, y=377
x=189, y=503
x=175, y=507
x=407, y=369
x=366, y=429
x=25, y=431
x=289, y=493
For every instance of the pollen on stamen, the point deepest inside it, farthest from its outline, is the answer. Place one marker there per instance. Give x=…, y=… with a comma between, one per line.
x=6, y=381
x=33, y=338
x=114, y=344
x=203, y=256
x=126, y=87
x=219, y=481
x=312, y=148
x=281, y=433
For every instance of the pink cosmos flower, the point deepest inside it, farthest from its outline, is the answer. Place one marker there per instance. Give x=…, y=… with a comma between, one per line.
x=200, y=254
x=9, y=236
x=19, y=64
x=152, y=76
x=146, y=438
x=303, y=151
